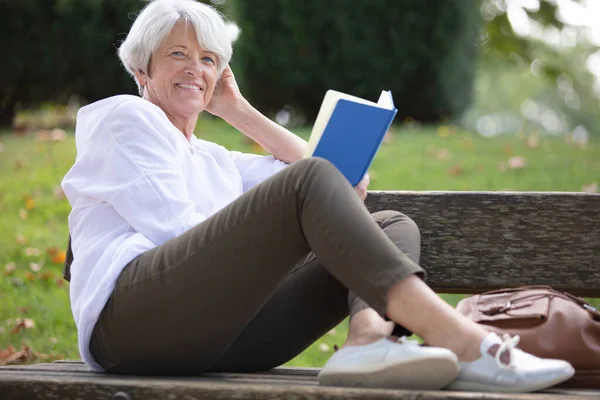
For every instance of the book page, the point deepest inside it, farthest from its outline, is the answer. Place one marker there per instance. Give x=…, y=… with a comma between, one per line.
x=327, y=107
x=385, y=100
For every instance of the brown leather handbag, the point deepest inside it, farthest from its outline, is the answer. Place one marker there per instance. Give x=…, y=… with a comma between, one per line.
x=550, y=324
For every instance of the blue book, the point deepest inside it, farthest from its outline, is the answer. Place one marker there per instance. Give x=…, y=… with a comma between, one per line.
x=349, y=130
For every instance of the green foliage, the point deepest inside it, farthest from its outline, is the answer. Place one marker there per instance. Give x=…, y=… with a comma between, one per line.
x=57, y=48
x=559, y=71
x=290, y=52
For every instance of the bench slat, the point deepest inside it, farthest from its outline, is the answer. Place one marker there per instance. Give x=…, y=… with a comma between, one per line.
x=479, y=241
x=61, y=381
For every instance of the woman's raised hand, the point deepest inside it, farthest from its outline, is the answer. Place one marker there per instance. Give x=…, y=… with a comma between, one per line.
x=226, y=97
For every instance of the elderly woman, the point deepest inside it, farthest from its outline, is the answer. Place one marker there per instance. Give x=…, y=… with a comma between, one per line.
x=191, y=258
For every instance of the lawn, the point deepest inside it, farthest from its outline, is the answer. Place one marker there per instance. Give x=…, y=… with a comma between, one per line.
x=34, y=304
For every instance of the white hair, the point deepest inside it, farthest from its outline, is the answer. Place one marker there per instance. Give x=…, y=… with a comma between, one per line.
x=155, y=22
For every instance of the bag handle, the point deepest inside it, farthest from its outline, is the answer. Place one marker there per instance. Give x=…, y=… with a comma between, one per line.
x=519, y=289
x=564, y=295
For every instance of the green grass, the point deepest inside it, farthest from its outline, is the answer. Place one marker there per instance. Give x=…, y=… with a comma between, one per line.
x=34, y=214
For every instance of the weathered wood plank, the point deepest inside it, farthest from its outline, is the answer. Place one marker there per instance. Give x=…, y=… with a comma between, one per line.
x=33, y=383
x=478, y=241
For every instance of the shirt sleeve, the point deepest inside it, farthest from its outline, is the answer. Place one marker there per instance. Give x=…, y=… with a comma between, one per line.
x=254, y=168
x=136, y=166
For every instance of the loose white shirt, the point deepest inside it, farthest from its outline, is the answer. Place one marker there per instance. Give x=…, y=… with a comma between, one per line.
x=137, y=182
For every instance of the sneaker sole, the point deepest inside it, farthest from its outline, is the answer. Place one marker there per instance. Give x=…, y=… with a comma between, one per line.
x=481, y=387
x=420, y=374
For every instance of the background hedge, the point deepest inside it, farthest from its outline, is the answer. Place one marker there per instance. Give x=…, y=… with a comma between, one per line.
x=290, y=52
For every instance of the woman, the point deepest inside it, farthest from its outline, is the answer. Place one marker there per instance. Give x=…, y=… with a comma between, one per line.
x=191, y=258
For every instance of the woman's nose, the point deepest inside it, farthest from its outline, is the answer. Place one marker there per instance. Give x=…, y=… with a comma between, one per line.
x=194, y=69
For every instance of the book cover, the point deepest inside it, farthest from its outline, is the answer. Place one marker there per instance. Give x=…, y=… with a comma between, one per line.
x=349, y=130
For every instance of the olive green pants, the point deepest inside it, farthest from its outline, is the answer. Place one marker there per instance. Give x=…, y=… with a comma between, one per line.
x=258, y=282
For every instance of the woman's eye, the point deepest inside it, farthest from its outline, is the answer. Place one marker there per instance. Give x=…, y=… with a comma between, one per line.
x=208, y=59
x=177, y=53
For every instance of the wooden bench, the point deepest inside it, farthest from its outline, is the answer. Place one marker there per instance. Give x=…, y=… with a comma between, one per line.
x=471, y=242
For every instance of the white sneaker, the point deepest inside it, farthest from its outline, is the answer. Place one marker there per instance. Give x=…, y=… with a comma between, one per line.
x=394, y=365
x=510, y=370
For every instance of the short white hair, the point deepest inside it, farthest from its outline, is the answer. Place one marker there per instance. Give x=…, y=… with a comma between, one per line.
x=155, y=22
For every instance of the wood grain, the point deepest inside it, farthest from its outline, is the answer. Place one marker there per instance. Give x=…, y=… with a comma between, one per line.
x=478, y=241
x=60, y=381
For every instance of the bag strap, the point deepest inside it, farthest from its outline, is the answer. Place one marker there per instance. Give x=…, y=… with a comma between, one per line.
x=552, y=293
x=519, y=289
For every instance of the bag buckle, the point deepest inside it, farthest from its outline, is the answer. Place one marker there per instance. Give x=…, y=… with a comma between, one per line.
x=505, y=307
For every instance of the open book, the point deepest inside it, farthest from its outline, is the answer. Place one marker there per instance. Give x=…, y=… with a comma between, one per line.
x=349, y=130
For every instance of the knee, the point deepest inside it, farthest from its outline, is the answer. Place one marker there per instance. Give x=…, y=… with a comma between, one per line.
x=317, y=170
x=316, y=166
x=390, y=217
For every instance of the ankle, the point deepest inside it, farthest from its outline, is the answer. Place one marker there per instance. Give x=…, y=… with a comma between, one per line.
x=361, y=340
x=469, y=351
x=465, y=346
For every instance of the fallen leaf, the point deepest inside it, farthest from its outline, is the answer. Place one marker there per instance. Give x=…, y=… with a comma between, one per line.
x=23, y=310
x=59, y=258
x=6, y=353
x=533, y=142
x=60, y=282
x=468, y=143
x=58, y=193
x=30, y=276
x=20, y=239
x=17, y=165
x=42, y=135
x=517, y=162
x=455, y=170
x=508, y=149
x=442, y=154
x=9, y=268
x=591, y=188
x=35, y=267
x=51, y=251
x=29, y=204
x=22, y=213
x=445, y=131
x=324, y=347
x=31, y=252
x=21, y=324
x=46, y=276
x=12, y=356
x=58, y=135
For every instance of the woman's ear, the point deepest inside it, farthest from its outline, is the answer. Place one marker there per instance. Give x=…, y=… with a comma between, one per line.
x=141, y=77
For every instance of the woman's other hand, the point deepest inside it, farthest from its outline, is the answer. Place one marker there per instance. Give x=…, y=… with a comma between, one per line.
x=361, y=187
x=226, y=97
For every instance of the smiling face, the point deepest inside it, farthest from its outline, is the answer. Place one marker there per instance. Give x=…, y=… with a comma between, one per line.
x=181, y=77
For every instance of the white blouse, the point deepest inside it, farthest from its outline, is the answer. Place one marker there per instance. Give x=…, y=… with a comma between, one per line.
x=136, y=183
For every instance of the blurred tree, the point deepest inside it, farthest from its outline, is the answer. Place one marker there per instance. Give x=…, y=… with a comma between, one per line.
x=290, y=52
x=54, y=49
x=537, y=35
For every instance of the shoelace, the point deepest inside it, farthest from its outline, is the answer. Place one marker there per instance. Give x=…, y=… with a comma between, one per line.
x=508, y=344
